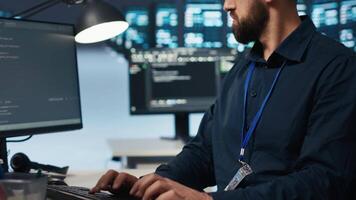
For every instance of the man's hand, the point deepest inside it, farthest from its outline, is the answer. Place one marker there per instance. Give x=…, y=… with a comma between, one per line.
x=156, y=187
x=115, y=182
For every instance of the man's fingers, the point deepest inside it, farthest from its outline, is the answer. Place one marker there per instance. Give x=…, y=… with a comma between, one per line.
x=96, y=188
x=108, y=179
x=124, y=178
x=156, y=189
x=120, y=178
x=142, y=184
x=104, y=181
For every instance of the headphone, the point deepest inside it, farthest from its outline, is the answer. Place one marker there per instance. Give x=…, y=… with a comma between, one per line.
x=21, y=163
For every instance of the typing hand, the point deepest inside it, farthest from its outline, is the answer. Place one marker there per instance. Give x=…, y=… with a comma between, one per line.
x=114, y=182
x=156, y=187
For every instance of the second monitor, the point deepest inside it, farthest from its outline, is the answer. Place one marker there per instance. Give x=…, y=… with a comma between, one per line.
x=177, y=81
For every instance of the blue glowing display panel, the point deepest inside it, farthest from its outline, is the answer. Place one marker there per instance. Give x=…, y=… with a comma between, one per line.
x=203, y=24
x=167, y=26
x=137, y=35
x=347, y=12
x=302, y=7
x=325, y=14
x=336, y=19
x=348, y=24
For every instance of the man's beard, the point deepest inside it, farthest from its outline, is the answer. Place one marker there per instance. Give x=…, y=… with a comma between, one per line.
x=250, y=29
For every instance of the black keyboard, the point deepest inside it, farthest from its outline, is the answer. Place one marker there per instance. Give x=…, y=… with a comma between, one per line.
x=63, y=192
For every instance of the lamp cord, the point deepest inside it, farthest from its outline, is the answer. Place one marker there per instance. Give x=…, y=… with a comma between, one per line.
x=36, y=9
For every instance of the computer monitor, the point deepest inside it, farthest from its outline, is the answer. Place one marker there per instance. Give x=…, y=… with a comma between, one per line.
x=325, y=15
x=348, y=23
x=38, y=79
x=176, y=81
x=137, y=35
x=166, y=23
x=203, y=24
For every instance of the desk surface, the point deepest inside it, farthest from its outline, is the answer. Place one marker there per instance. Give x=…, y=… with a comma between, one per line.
x=145, y=147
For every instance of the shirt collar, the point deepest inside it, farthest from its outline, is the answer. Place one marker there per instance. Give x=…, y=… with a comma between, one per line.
x=292, y=48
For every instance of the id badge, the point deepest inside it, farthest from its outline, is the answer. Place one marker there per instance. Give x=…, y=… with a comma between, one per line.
x=244, y=171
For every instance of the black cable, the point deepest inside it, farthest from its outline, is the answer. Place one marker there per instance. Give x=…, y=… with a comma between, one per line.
x=22, y=140
x=34, y=12
x=43, y=6
x=32, y=8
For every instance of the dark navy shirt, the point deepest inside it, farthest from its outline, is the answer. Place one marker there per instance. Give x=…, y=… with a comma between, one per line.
x=304, y=145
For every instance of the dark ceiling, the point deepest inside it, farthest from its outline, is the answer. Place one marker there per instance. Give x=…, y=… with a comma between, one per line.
x=59, y=13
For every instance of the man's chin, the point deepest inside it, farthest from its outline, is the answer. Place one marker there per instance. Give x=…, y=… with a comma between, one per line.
x=240, y=39
x=243, y=41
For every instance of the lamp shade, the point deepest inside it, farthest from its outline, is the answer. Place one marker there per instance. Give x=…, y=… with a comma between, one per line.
x=99, y=21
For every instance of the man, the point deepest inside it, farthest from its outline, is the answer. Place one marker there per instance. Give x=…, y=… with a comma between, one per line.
x=284, y=122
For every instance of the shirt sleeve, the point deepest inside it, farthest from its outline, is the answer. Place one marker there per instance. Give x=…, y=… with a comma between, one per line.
x=326, y=163
x=193, y=167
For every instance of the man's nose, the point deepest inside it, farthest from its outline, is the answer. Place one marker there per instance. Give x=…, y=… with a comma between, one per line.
x=229, y=5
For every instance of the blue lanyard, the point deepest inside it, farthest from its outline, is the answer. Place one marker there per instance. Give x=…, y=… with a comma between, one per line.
x=256, y=119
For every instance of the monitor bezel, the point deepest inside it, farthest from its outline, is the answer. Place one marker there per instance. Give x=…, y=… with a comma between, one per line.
x=49, y=129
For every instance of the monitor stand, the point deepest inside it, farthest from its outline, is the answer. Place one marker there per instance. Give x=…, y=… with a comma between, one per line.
x=3, y=154
x=181, y=124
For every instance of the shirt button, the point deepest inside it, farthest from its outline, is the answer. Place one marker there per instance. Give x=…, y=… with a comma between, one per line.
x=253, y=93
